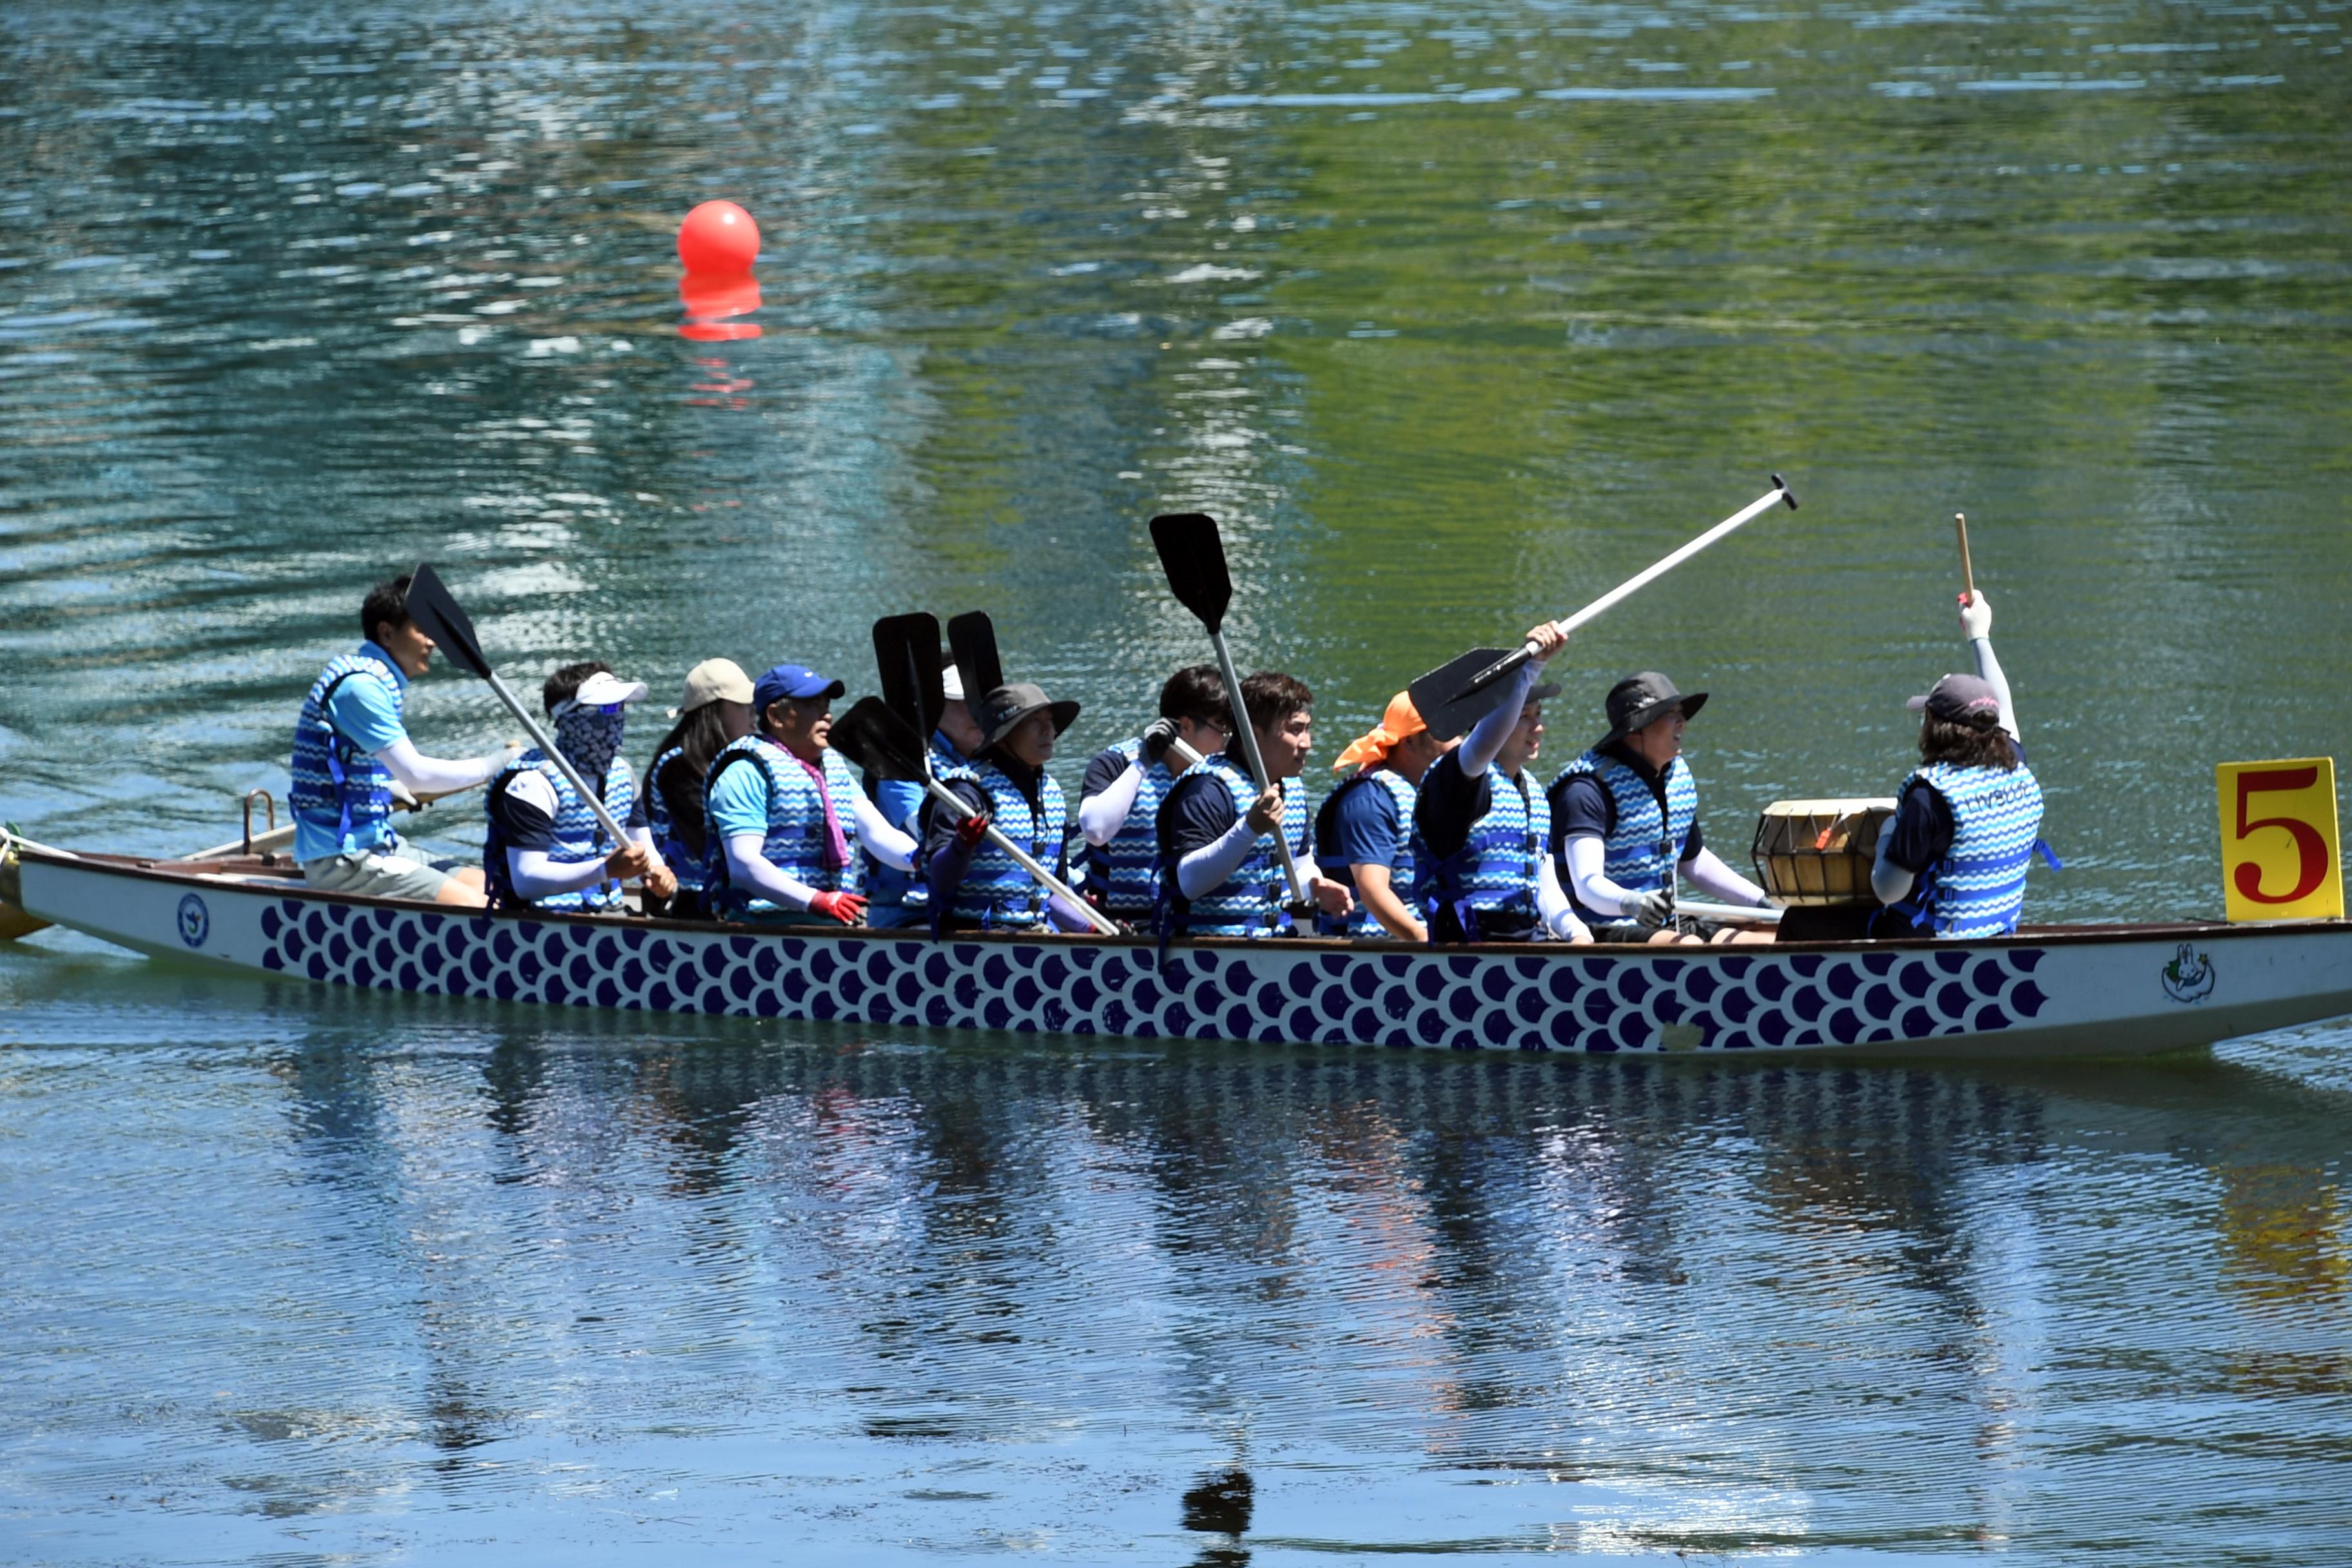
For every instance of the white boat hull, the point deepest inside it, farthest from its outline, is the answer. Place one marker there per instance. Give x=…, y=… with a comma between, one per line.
x=2101, y=991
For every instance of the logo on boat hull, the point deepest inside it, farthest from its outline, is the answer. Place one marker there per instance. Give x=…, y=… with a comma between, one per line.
x=2190, y=976
x=195, y=921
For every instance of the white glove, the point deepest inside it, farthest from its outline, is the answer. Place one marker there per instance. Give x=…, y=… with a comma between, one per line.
x=1976, y=616
x=1650, y=910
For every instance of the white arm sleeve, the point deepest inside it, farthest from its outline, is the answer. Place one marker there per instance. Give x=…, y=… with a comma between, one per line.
x=889, y=845
x=1206, y=868
x=1485, y=739
x=1552, y=904
x=536, y=876
x=643, y=837
x=747, y=869
x=1709, y=874
x=1101, y=816
x=430, y=775
x=1585, y=855
x=1988, y=670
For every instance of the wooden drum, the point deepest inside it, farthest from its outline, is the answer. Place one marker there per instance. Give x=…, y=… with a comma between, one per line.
x=1818, y=853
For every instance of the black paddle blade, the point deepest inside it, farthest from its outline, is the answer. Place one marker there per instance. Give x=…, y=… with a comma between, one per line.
x=442, y=618
x=1194, y=559
x=906, y=655
x=1443, y=703
x=972, y=637
x=878, y=741
x=1787, y=494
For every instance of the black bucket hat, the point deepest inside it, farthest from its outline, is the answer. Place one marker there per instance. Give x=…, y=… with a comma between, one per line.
x=1007, y=706
x=1639, y=700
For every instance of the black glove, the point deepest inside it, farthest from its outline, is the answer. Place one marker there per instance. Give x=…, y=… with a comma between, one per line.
x=1157, y=738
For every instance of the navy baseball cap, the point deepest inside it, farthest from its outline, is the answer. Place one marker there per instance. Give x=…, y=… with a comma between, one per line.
x=795, y=680
x=1961, y=700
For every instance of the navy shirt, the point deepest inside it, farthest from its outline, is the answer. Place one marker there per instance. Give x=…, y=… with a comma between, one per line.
x=1359, y=825
x=1581, y=807
x=1197, y=812
x=529, y=826
x=1449, y=803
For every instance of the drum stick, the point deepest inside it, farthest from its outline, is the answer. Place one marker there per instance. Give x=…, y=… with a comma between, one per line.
x=1968, y=568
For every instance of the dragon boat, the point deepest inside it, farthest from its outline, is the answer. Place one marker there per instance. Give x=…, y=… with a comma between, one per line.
x=2045, y=992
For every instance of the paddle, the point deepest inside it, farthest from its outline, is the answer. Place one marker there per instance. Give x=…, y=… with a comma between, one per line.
x=439, y=616
x=972, y=637
x=1968, y=567
x=1442, y=692
x=907, y=657
x=878, y=740
x=1194, y=556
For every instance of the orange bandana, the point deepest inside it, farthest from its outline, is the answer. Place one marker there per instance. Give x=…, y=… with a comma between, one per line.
x=1368, y=750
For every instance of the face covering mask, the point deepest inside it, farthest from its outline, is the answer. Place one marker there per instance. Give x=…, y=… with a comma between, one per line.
x=591, y=739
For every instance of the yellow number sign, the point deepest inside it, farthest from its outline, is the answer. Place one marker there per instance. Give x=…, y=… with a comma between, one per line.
x=2280, y=857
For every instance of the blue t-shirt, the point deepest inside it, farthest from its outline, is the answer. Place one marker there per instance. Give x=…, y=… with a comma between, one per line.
x=363, y=710
x=738, y=803
x=1365, y=830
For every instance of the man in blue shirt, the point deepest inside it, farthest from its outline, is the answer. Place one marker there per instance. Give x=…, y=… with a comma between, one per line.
x=351, y=746
x=1363, y=833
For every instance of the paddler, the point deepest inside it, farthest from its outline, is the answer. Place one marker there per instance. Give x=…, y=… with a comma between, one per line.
x=900, y=897
x=1364, y=831
x=545, y=849
x=1952, y=862
x=1625, y=820
x=351, y=746
x=1482, y=828
x=784, y=806
x=715, y=710
x=1220, y=873
x=1119, y=798
x=973, y=884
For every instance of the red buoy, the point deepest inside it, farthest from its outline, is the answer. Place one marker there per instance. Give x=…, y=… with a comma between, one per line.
x=717, y=239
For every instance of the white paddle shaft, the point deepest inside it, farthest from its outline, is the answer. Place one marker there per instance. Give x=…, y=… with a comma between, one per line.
x=1022, y=858
x=1649, y=574
x=1258, y=765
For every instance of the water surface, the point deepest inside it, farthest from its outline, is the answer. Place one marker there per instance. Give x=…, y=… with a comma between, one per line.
x=1456, y=315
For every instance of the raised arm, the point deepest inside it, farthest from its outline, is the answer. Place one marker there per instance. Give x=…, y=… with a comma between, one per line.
x=1976, y=625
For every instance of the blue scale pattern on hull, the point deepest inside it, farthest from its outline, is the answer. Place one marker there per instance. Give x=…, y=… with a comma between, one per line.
x=1583, y=1001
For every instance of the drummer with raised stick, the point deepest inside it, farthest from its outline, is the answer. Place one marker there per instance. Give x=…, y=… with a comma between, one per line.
x=1969, y=818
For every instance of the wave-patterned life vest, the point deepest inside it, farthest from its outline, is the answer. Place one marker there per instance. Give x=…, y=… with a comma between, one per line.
x=796, y=840
x=996, y=894
x=1127, y=868
x=579, y=837
x=1251, y=901
x=1403, y=878
x=692, y=870
x=1978, y=889
x=338, y=789
x=1645, y=845
x=1494, y=874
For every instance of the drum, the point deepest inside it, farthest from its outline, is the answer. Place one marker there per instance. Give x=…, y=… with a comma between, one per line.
x=1818, y=853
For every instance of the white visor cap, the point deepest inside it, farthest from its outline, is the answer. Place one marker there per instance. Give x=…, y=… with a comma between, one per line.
x=605, y=687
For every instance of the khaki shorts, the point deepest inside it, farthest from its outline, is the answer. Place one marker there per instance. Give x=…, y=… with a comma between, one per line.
x=395, y=871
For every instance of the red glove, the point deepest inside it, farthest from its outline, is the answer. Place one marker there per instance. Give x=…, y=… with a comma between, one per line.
x=849, y=908
x=971, y=830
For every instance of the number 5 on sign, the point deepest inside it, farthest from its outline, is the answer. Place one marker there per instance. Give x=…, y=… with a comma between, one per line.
x=2281, y=857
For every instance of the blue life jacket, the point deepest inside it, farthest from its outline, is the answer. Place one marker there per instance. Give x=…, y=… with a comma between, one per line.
x=1127, y=869
x=692, y=870
x=996, y=894
x=910, y=889
x=579, y=837
x=338, y=789
x=1403, y=878
x=1253, y=901
x=795, y=843
x=1643, y=850
x=1489, y=884
x=1978, y=889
